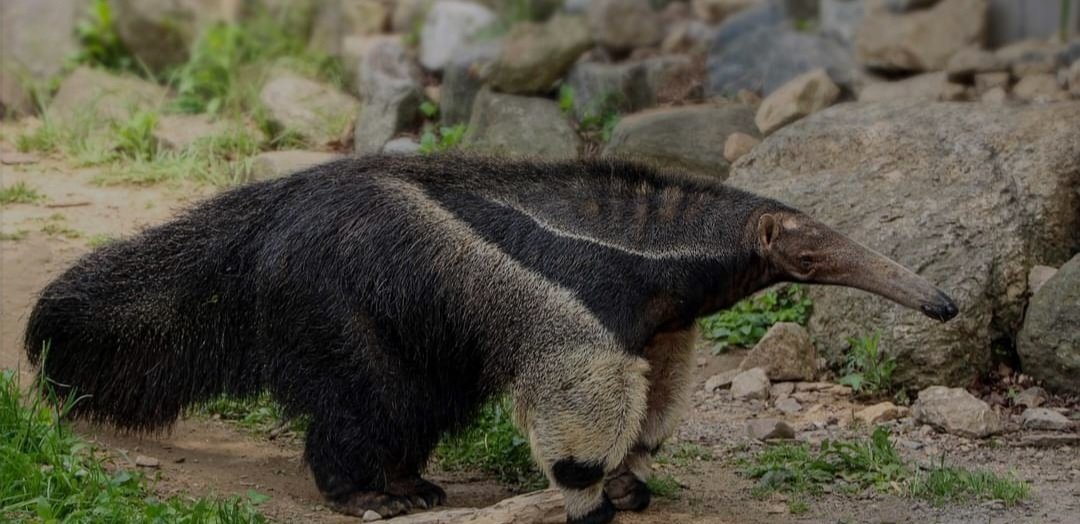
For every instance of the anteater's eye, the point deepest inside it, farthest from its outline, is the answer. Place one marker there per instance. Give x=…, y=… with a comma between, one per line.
x=806, y=262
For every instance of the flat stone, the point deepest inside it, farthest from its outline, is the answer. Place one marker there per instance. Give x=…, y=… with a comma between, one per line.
x=803, y=95
x=878, y=413
x=996, y=95
x=781, y=390
x=276, y=164
x=788, y=405
x=737, y=145
x=690, y=138
x=370, y=516
x=956, y=411
x=720, y=380
x=1045, y=419
x=966, y=63
x=1038, y=276
x=769, y=429
x=987, y=81
x=1031, y=397
x=752, y=384
x=926, y=86
x=1040, y=88
x=922, y=40
x=1049, y=440
x=766, y=58
x=143, y=461
x=402, y=146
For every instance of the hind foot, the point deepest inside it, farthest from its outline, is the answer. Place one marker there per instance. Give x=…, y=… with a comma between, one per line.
x=400, y=497
x=627, y=493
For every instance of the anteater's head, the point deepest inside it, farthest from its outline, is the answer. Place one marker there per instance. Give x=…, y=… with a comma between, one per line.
x=802, y=249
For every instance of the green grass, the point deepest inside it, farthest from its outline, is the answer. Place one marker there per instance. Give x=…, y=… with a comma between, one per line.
x=445, y=139
x=96, y=241
x=867, y=369
x=600, y=118
x=664, y=486
x=99, y=43
x=15, y=236
x=20, y=193
x=944, y=485
x=746, y=322
x=47, y=474
x=683, y=454
x=874, y=463
x=492, y=444
x=259, y=414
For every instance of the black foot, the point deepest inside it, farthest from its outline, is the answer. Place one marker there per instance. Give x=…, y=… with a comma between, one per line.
x=400, y=497
x=627, y=493
x=602, y=515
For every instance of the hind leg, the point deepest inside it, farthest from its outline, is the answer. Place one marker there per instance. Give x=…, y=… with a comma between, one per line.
x=670, y=357
x=582, y=412
x=371, y=462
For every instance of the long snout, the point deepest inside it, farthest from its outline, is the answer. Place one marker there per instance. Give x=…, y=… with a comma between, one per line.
x=868, y=270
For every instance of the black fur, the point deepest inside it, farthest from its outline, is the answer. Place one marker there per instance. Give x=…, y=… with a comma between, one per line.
x=320, y=288
x=572, y=474
x=603, y=514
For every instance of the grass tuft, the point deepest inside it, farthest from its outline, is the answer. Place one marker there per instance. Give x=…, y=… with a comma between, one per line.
x=867, y=369
x=492, y=444
x=20, y=193
x=664, y=486
x=47, y=474
x=746, y=322
x=873, y=463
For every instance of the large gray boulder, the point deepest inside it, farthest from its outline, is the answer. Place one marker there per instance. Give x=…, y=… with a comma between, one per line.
x=520, y=126
x=36, y=39
x=536, y=55
x=95, y=94
x=318, y=112
x=970, y=196
x=463, y=77
x=622, y=25
x=766, y=58
x=449, y=25
x=627, y=86
x=159, y=33
x=921, y=40
x=389, y=83
x=1049, y=343
x=337, y=19
x=690, y=138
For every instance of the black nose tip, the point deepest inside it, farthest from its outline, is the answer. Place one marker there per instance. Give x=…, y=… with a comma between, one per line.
x=941, y=309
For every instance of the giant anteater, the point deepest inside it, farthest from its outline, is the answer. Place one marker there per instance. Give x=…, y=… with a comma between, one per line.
x=387, y=298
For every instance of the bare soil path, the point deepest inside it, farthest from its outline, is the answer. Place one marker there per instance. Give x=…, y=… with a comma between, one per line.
x=201, y=456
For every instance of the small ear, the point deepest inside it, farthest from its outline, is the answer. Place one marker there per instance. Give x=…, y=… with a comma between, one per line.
x=768, y=230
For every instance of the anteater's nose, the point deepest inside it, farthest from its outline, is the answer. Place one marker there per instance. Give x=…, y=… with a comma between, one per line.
x=943, y=308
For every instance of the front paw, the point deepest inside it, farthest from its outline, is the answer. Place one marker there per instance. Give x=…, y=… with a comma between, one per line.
x=627, y=493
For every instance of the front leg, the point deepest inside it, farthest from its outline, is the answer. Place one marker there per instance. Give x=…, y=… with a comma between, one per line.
x=671, y=372
x=582, y=410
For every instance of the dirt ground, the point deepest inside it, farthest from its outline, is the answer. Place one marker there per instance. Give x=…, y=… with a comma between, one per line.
x=201, y=456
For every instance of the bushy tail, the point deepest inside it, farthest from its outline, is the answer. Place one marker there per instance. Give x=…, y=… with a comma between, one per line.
x=136, y=343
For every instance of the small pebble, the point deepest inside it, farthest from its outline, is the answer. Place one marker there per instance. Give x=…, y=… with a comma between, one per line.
x=371, y=516
x=147, y=462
